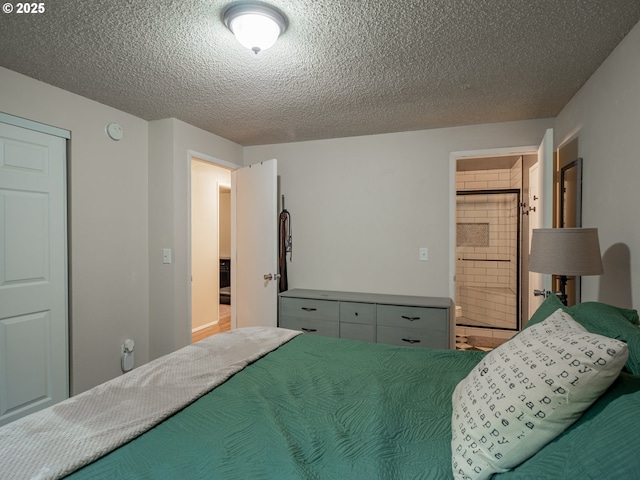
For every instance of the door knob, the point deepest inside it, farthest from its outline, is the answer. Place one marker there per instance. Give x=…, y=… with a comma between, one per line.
x=539, y=293
x=271, y=276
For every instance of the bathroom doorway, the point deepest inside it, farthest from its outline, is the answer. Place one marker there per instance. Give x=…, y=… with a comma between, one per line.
x=491, y=251
x=488, y=258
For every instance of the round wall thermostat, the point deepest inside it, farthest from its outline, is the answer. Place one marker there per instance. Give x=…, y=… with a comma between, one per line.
x=114, y=130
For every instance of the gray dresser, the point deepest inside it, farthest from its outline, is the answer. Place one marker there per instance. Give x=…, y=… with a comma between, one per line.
x=425, y=322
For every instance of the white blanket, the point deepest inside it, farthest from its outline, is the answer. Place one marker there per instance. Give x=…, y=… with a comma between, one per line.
x=57, y=441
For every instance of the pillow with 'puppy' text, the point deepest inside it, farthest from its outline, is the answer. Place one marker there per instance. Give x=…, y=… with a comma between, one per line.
x=526, y=392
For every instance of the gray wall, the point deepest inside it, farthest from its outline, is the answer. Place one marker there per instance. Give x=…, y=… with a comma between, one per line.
x=605, y=116
x=170, y=144
x=363, y=206
x=108, y=212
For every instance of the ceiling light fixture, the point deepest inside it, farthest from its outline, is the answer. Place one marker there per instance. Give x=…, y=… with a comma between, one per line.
x=255, y=25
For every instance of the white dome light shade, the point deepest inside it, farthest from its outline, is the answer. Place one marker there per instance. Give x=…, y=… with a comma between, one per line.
x=256, y=26
x=254, y=31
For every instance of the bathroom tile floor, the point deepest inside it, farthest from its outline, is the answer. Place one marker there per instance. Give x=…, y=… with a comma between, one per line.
x=475, y=342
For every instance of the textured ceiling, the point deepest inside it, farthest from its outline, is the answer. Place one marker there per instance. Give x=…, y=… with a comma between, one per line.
x=343, y=67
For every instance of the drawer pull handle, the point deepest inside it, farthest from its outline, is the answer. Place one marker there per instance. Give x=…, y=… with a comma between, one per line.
x=309, y=330
x=309, y=309
x=411, y=319
x=408, y=340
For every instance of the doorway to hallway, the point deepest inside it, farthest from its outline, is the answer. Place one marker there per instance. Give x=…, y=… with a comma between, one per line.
x=210, y=248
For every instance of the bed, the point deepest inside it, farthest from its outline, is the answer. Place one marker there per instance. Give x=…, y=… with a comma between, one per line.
x=290, y=406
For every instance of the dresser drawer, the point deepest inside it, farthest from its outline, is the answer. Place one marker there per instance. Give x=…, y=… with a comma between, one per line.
x=354, y=312
x=309, y=308
x=311, y=326
x=392, y=319
x=358, y=331
x=412, y=317
x=412, y=337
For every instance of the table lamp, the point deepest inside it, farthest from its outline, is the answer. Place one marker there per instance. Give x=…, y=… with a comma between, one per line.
x=565, y=252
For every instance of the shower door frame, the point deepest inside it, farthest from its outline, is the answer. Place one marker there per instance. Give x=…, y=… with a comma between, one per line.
x=518, y=193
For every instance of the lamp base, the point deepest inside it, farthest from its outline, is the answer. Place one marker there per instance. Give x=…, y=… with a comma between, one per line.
x=562, y=297
x=562, y=294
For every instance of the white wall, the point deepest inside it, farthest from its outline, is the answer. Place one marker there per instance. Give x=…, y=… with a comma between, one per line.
x=127, y=201
x=362, y=207
x=161, y=235
x=605, y=116
x=205, y=219
x=171, y=144
x=108, y=212
x=224, y=225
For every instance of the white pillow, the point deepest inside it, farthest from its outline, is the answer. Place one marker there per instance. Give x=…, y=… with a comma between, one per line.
x=526, y=392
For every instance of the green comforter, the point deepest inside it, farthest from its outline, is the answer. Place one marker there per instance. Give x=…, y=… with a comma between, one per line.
x=321, y=408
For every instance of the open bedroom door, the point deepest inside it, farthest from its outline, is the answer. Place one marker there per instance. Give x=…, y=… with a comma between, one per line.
x=254, y=246
x=541, y=198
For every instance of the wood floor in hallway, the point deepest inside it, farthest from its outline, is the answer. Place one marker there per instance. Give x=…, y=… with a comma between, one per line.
x=223, y=325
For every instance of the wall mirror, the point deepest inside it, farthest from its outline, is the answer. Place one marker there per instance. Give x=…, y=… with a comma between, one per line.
x=571, y=194
x=571, y=213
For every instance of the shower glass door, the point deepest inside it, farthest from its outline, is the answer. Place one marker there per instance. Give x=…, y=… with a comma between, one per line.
x=488, y=258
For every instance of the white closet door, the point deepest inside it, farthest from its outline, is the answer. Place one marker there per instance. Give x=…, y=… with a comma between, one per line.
x=34, y=371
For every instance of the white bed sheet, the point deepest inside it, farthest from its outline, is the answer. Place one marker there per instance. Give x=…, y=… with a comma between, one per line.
x=57, y=441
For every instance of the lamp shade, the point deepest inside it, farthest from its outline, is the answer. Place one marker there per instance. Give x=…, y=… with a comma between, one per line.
x=565, y=251
x=255, y=25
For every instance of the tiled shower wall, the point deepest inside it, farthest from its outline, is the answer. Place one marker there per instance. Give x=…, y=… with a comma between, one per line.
x=487, y=231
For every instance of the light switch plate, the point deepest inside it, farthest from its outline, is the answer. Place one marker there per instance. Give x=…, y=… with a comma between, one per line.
x=424, y=254
x=166, y=255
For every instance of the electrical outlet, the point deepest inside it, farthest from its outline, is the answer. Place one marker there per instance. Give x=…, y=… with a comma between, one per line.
x=126, y=361
x=127, y=355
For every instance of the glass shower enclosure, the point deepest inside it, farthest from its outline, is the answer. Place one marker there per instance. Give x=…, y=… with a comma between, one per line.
x=488, y=258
